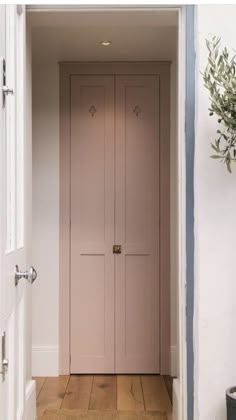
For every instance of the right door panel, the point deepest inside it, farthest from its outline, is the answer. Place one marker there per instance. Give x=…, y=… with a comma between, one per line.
x=137, y=224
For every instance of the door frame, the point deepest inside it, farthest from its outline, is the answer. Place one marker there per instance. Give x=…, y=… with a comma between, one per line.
x=161, y=69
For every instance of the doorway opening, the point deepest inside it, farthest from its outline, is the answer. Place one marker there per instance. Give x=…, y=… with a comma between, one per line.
x=115, y=164
x=138, y=37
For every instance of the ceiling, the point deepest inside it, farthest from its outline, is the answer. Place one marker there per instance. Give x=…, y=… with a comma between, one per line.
x=136, y=35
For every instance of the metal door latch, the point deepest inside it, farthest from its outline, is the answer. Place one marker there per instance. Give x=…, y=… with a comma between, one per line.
x=5, y=89
x=5, y=363
x=30, y=275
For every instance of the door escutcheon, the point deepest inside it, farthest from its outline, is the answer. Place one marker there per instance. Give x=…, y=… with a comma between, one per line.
x=116, y=249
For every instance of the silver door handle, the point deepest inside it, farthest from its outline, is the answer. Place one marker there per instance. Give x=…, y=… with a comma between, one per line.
x=30, y=275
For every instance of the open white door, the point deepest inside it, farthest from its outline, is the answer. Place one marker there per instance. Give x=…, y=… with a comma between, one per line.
x=15, y=362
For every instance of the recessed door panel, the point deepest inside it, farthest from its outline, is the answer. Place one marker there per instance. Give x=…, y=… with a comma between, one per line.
x=92, y=224
x=137, y=224
x=138, y=305
x=91, y=301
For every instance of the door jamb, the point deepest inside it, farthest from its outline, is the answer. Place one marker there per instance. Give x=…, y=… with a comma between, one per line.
x=161, y=69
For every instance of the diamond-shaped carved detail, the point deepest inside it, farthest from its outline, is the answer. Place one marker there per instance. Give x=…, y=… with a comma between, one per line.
x=92, y=110
x=137, y=110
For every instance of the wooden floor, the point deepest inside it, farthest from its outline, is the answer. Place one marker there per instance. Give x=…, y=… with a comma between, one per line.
x=98, y=392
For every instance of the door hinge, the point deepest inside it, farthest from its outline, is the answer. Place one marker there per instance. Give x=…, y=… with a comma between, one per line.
x=5, y=89
x=5, y=363
x=20, y=9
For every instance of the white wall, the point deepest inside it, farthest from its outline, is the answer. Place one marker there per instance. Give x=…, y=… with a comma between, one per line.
x=215, y=240
x=46, y=218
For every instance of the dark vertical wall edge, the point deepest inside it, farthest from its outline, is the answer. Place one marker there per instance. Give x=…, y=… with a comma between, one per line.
x=190, y=140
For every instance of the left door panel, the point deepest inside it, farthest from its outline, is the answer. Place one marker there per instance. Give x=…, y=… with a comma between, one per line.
x=92, y=224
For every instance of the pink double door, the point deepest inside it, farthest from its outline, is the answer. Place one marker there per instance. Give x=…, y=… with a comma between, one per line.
x=114, y=201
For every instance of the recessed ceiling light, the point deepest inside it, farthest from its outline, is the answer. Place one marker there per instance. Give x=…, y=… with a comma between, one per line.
x=105, y=43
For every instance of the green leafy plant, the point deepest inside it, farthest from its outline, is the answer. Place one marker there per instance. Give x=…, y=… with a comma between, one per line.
x=220, y=80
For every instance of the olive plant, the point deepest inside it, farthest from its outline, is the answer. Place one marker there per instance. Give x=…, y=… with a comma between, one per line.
x=220, y=80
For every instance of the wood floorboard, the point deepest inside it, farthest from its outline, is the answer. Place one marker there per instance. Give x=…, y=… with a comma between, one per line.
x=155, y=393
x=103, y=395
x=78, y=392
x=39, y=384
x=129, y=393
x=103, y=415
x=52, y=394
x=169, y=385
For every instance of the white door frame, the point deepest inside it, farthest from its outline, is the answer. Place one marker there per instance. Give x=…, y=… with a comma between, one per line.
x=180, y=385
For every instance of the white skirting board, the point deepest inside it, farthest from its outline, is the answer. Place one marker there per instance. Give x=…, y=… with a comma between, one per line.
x=174, y=363
x=176, y=401
x=45, y=361
x=30, y=401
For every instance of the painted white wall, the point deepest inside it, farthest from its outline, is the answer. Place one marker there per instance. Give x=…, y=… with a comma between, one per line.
x=215, y=239
x=46, y=218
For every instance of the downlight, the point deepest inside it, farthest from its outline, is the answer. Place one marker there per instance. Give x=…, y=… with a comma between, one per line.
x=106, y=43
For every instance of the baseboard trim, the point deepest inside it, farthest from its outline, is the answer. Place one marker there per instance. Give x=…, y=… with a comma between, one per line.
x=176, y=415
x=30, y=401
x=174, y=364
x=45, y=361
x=20, y=415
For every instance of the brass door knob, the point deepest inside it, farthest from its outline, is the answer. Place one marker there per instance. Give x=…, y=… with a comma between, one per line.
x=116, y=249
